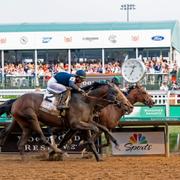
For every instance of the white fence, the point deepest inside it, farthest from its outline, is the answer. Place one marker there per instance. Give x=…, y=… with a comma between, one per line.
x=15, y=92
x=160, y=97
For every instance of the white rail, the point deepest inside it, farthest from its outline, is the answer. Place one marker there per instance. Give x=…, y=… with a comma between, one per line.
x=160, y=97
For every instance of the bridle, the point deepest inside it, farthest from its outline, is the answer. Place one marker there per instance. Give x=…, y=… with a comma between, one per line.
x=115, y=101
x=145, y=97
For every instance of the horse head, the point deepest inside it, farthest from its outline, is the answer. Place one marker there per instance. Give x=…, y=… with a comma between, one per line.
x=112, y=94
x=137, y=93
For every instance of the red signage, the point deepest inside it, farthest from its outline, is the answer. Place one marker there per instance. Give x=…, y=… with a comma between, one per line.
x=3, y=40
x=135, y=38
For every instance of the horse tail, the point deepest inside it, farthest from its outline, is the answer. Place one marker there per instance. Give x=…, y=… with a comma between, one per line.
x=6, y=131
x=6, y=107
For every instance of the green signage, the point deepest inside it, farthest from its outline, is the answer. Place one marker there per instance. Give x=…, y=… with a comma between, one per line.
x=145, y=113
x=174, y=111
x=4, y=119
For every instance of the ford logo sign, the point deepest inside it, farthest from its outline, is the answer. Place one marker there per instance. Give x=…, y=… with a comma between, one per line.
x=157, y=38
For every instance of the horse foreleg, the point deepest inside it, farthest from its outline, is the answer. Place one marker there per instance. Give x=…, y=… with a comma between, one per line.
x=64, y=140
x=80, y=125
x=67, y=137
x=107, y=133
x=92, y=145
x=90, y=141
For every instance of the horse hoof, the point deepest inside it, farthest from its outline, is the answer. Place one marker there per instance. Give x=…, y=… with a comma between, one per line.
x=56, y=157
x=50, y=158
x=66, y=154
x=99, y=160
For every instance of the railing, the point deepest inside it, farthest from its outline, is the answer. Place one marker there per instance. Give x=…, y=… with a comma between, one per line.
x=24, y=81
x=160, y=97
x=151, y=81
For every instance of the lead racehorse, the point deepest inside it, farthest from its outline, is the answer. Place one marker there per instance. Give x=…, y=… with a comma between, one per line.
x=27, y=114
x=110, y=115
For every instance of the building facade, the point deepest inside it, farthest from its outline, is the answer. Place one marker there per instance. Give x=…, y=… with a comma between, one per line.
x=102, y=44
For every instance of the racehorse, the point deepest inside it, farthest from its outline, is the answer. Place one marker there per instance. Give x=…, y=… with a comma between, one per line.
x=27, y=114
x=110, y=115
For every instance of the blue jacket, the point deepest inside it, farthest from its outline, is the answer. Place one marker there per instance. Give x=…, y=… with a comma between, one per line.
x=66, y=79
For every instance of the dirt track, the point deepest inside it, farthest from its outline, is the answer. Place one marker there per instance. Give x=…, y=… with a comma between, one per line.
x=121, y=168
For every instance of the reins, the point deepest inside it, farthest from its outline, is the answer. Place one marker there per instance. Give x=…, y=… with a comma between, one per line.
x=116, y=102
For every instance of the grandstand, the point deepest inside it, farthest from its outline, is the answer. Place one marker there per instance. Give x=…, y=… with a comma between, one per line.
x=31, y=53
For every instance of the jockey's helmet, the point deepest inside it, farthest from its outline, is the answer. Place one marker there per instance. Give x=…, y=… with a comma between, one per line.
x=81, y=74
x=116, y=80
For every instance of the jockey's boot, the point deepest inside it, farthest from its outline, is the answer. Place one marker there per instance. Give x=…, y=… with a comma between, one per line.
x=63, y=101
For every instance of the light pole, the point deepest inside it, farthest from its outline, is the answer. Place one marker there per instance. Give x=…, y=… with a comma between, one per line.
x=127, y=8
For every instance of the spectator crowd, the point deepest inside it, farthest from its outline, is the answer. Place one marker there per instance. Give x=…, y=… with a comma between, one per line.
x=154, y=66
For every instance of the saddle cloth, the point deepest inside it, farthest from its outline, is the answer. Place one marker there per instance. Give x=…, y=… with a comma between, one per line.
x=49, y=107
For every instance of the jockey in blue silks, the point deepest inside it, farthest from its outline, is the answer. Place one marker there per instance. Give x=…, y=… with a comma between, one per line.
x=61, y=80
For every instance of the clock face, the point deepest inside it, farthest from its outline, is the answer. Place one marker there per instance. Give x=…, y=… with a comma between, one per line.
x=133, y=70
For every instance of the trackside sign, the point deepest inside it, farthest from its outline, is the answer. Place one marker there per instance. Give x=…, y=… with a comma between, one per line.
x=138, y=141
x=146, y=112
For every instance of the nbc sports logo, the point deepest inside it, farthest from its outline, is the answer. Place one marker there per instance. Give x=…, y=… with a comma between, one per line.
x=138, y=139
x=137, y=142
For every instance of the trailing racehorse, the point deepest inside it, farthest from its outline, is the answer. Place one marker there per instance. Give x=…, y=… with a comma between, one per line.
x=110, y=115
x=27, y=114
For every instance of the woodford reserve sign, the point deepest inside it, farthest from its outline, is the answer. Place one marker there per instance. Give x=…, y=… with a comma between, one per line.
x=34, y=144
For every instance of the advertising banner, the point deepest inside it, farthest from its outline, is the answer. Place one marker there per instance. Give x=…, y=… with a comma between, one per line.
x=34, y=144
x=140, y=141
x=145, y=113
x=175, y=112
x=85, y=39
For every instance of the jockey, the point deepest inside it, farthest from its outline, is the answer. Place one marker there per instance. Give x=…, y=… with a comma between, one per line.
x=116, y=80
x=61, y=80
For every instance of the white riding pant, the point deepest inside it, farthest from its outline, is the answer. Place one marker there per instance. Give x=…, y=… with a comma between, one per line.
x=54, y=86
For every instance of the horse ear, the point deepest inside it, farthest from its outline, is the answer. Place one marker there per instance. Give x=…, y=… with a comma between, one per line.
x=138, y=85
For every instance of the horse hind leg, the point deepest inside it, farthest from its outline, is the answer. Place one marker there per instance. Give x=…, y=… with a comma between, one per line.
x=36, y=128
x=23, y=140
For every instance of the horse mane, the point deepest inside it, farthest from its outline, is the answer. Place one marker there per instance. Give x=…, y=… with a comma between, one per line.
x=133, y=87
x=94, y=85
x=130, y=89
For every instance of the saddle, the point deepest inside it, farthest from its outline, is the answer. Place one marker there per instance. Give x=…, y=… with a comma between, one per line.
x=56, y=103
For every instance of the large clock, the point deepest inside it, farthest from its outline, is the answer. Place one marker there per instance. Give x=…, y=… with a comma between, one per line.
x=133, y=70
